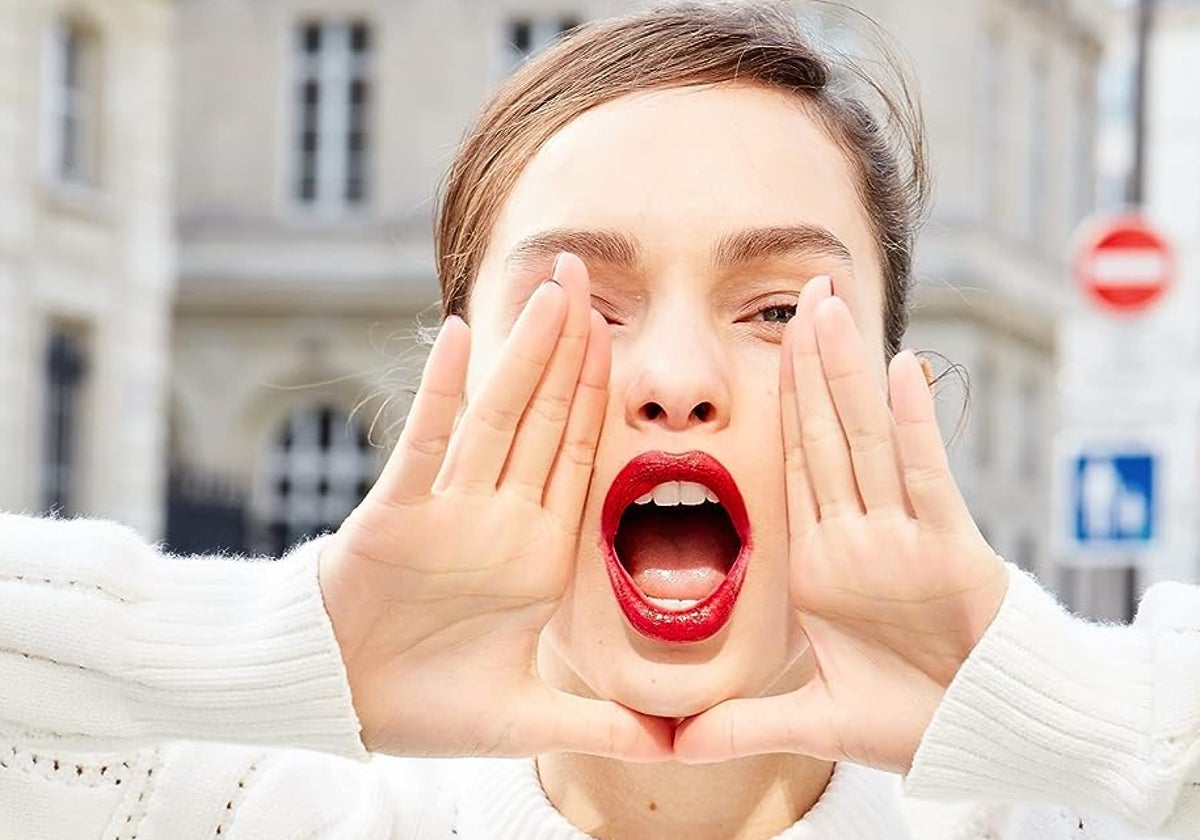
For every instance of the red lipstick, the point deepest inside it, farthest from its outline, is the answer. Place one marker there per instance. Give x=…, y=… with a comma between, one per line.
x=709, y=615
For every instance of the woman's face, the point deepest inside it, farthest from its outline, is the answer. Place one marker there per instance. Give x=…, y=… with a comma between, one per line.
x=700, y=213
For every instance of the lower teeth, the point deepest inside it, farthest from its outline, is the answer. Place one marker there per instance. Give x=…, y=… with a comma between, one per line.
x=674, y=603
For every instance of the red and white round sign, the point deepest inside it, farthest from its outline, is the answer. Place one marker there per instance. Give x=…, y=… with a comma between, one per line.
x=1125, y=265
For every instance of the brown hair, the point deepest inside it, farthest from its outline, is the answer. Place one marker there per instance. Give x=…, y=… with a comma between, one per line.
x=675, y=46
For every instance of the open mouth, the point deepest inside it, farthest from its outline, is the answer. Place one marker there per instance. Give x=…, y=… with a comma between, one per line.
x=676, y=538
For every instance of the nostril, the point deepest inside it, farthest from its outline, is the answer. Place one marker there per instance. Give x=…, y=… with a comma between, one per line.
x=652, y=411
x=703, y=412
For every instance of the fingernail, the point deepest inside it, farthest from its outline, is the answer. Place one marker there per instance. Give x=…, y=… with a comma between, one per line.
x=823, y=278
x=557, y=262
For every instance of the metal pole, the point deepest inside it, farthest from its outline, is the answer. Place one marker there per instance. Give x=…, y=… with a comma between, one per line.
x=1144, y=22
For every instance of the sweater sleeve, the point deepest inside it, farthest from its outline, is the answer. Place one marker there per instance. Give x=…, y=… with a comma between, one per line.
x=1051, y=708
x=107, y=644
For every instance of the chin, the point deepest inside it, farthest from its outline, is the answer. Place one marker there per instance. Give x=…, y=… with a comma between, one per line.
x=672, y=691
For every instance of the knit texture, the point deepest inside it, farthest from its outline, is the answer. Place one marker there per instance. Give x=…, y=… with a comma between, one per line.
x=122, y=670
x=107, y=644
x=1051, y=708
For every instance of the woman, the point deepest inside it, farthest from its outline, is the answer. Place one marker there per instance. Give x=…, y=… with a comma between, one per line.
x=608, y=569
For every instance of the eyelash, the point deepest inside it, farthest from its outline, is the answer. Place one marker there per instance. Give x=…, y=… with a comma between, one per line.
x=759, y=315
x=788, y=308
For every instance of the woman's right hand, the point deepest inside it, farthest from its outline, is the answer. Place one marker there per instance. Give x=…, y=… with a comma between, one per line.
x=440, y=582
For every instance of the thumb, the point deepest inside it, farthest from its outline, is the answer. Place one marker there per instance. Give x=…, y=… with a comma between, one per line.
x=563, y=722
x=796, y=722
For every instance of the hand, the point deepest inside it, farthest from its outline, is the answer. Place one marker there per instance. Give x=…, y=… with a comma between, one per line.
x=439, y=583
x=892, y=582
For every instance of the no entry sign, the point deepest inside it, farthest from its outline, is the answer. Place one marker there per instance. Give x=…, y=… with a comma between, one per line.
x=1125, y=265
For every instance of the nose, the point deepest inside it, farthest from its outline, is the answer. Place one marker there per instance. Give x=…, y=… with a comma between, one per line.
x=681, y=381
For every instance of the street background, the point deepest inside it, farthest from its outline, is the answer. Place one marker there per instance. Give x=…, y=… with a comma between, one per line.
x=216, y=256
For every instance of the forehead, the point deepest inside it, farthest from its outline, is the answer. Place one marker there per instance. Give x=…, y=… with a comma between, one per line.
x=680, y=168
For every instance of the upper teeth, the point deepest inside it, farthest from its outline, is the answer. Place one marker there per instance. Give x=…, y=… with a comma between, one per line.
x=671, y=493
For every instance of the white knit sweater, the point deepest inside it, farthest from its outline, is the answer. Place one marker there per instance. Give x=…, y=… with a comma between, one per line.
x=122, y=671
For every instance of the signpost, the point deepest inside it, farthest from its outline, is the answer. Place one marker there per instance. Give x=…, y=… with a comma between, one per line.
x=1118, y=451
x=1125, y=265
x=1114, y=497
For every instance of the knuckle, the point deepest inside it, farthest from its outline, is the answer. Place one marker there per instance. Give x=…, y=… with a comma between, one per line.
x=921, y=475
x=427, y=445
x=498, y=418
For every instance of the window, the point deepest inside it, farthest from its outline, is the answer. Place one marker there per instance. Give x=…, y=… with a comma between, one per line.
x=526, y=36
x=318, y=467
x=333, y=109
x=991, y=126
x=1026, y=553
x=72, y=104
x=1039, y=147
x=985, y=403
x=66, y=370
x=1084, y=153
x=1032, y=417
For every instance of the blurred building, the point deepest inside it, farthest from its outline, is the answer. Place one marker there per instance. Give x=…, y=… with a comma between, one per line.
x=86, y=255
x=1132, y=379
x=309, y=138
x=1009, y=90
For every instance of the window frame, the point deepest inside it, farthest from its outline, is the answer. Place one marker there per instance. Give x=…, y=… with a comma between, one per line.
x=80, y=103
x=333, y=69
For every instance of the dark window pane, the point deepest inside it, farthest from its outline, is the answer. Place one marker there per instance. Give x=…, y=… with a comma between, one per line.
x=360, y=38
x=72, y=49
x=308, y=190
x=358, y=93
x=567, y=24
x=310, y=37
x=312, y=93
x=308, y=144
x=66, y=366
x=323, y=486
x=284, y=487
x=520, y=35
x=326, y=424
x=69, y=165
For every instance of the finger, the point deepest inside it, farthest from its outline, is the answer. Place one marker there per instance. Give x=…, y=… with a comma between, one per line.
x=784, y=723
x=861, y=407
x=563, y=722
x=541, y=429
x=930, y=485
x=572, y=471
x=802, y=505
x=830, y=471
x=418, y=456
x=484, y=437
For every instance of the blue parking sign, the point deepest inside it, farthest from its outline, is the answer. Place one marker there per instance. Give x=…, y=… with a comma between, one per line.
x=1113, y=495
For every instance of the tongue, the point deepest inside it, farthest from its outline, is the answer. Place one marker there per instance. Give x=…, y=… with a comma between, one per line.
x=679, y=553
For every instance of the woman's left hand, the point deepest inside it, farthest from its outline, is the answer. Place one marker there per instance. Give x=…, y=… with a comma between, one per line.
x=892, y=582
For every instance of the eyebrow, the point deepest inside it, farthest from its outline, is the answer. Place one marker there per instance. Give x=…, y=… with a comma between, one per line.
x=596, y=246
x=736, y=249
x=759, y=244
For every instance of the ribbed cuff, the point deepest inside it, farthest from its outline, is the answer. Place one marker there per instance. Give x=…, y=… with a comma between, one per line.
x=106, y=641
x=1047, y=708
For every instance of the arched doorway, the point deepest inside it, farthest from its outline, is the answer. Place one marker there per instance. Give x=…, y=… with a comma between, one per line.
x=318, y=465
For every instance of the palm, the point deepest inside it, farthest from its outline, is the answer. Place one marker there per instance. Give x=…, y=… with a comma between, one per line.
x=892, y=583
x=440, y=582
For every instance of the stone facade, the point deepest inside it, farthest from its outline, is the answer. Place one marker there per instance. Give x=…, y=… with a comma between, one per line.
x=273, y=296
x=86, y=255
x=296, y=304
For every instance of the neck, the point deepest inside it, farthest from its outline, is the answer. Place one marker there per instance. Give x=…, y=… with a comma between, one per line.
x=747, y=799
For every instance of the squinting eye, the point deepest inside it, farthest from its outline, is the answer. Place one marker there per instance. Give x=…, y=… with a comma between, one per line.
x=778, y=314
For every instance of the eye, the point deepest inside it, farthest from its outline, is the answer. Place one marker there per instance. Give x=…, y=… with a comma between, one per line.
x=776, y=313
x=607, y=311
